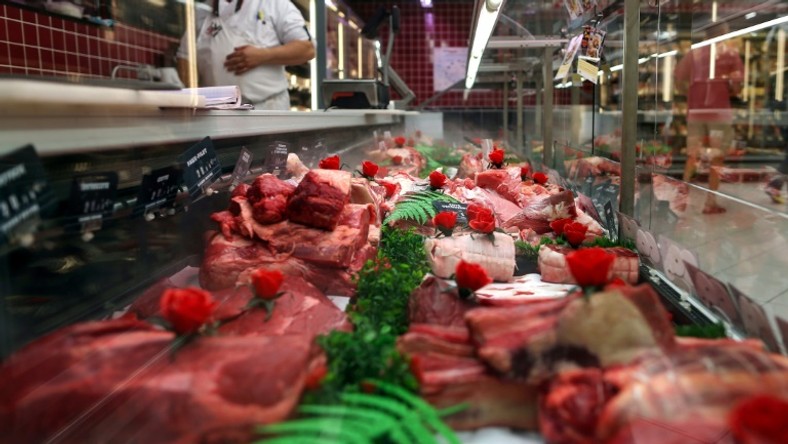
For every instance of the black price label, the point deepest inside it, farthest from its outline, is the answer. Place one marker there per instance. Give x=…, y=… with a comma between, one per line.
x=93, y=198
x=24, y=191
x=158, y=189
x=242, y=166
x=454, y=207
x=200, y=166
x=276, y=160
x=610, y=216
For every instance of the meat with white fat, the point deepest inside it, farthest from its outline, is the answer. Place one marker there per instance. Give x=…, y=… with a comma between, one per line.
x=497, y=258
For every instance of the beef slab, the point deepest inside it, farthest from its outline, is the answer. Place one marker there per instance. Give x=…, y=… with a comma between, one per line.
x=228, y=261
x=553, y=267
x=436, y=302
x=119, y=381
x=268, y=196
x=320, y=198
x=302, y=309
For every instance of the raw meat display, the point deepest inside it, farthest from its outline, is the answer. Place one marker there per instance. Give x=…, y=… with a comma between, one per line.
x=450, y=375
x=319, y=199
x=553, y=267
x=443, y=254
x=538, y=214
x=268, y=197
x=119, y=381
x=436, y=302
x=522, y=290
x=302, y=310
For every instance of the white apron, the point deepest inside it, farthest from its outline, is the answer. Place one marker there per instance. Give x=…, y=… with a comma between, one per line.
x=217, y=39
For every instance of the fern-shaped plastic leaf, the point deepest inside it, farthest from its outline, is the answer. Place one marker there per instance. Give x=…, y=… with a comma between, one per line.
x=418, y=206
x=411, y=421
x=329, y=429
x=383, y=424
x=427, y=412
x=294, y=439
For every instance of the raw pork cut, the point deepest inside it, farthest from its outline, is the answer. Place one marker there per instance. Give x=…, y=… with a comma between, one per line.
x=470, y=165
x=303, y=309
x=552, y=264
x=436, y=302
x=268, y=196
x=442, y=359
x=320, y=198
x=538, y=214
x=443, y=254
x=522, y=290
x=119, y=381
x=533, y=341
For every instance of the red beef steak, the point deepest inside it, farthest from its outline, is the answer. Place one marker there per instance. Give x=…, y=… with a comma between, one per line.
x=268, y=196
x=119, y=381
x=320, y=198
x=302, y=309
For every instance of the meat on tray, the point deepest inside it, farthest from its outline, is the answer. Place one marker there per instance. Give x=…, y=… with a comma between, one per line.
x=227, y=261
x=553, y=266
x=120, y=381
x=268, y=197
x=320, y=198
x=302, y=309
x=497, y=258
x=436, y=301
x=532, y=341
x=522, y=290
x=450, y=374
x=538, y=213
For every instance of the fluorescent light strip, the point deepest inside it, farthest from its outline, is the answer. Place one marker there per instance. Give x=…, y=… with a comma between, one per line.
x=747, y=30
x=645, y=59
x=341, y=46
x=360, y=45
x=484, y=29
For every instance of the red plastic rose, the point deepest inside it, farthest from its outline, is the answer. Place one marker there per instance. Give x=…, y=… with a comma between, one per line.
x=396, y=160
x=330, y=163
x=391, y=188
x=445, y=221
x=471, y=276
x=481, y=218
x=760, y=419
x=617, y=282
x=266, y=283
x=496, y=157
x=369, y=169
x=437, y=179
x=186, y=309
x=399, y=141
x=590, y=266
x=315, y=377
x=540, y=178
x=575, y=233
x=559, y=224
x=524, y=172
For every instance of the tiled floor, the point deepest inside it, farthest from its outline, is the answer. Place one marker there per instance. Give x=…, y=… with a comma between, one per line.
x=745, y=247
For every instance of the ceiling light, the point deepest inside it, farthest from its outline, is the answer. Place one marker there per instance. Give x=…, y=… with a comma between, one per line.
x=747, y=30
x=426, y=3
x=488, y=16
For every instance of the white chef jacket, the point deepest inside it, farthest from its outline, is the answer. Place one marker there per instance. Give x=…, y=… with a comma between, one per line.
x=261, y=23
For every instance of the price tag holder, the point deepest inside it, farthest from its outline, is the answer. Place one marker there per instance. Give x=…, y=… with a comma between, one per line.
x=276, y=160
x=158, y=190
x=92, y=199
x=24, y=193
x=455, y=207
x=588, y=207
x=200, y=166
x=242, y=166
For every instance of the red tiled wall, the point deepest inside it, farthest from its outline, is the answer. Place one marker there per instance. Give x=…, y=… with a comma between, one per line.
x=412, y=55
x=33, y=43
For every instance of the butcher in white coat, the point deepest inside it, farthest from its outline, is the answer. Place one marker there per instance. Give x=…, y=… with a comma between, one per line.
x=248, y=43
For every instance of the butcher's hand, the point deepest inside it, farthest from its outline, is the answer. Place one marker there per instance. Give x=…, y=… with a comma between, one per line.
x=244, y=58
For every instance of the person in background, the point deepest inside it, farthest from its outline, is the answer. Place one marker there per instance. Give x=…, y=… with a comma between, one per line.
x=709, y=88
x=248, y=43
x=779, y=106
